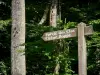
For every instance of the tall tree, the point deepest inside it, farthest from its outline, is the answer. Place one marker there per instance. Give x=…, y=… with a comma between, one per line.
x=53, y=23
x=44, y=15
x=53, y=13
x=18, y=38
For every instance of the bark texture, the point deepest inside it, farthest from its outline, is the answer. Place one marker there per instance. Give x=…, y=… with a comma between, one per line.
x=18, y=38
x=53, y=13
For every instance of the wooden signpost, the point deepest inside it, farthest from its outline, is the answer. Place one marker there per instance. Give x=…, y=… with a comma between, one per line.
x=81, y=31
x=82, y=56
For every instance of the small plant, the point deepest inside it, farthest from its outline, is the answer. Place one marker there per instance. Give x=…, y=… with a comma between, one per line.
x=3, y=68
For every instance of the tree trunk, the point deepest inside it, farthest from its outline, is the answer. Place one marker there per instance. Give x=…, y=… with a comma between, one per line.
x=18, y=38
x=53, y=23
x=59, y=10
x=56, y=71
x=44, y=15
x=53, y=13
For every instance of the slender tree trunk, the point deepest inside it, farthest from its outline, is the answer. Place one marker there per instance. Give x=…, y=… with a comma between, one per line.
x=53, y=13
x=59, y=10
x=53, y=23
x=56, y=70
x=44, y=15
x=18, y=38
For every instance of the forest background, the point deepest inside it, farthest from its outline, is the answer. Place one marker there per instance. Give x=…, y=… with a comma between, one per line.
x=43, y=57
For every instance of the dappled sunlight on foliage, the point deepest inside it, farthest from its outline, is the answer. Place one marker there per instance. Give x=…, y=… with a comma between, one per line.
x=42, y=56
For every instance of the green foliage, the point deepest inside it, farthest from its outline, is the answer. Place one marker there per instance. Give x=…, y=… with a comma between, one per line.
x=3, y=68
x=45, y=54
x=93, y=44
x=4, y=24
x=94, y=22
x=38, y=51
x=41, y=56
x=70, y=25
x=5, y=47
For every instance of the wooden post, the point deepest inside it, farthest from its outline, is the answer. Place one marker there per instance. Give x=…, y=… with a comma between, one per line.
x=82, y=56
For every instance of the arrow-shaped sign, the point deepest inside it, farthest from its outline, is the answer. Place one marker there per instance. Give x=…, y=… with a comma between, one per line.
x=60, y=34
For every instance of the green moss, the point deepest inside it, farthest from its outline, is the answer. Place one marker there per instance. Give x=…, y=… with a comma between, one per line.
x=20, y=51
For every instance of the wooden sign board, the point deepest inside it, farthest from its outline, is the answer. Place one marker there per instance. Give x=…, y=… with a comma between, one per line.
x=60, y=34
